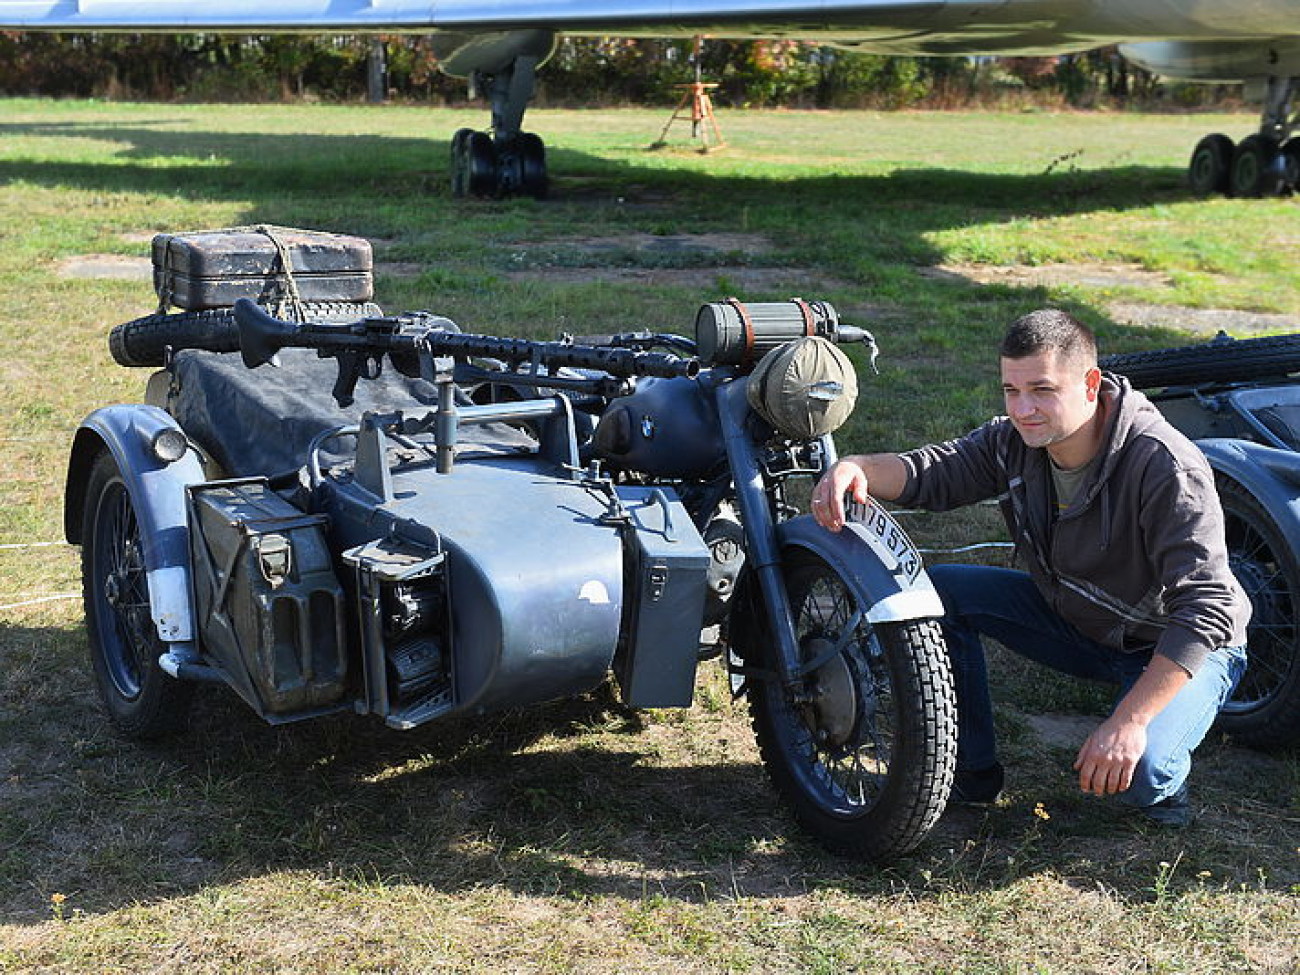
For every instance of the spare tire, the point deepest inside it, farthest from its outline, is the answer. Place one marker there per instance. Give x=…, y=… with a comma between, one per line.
x=1223, y=360
x=144, y=341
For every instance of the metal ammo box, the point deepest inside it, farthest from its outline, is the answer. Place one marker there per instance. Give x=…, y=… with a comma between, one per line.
x=211, y=269
x=269, y=603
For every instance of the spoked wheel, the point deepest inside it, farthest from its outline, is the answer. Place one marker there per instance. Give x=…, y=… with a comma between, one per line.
x=1265, y=710
x=142, y=700
x=864, y=752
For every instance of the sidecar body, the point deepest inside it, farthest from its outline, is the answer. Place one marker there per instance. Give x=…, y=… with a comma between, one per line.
x=320, y=559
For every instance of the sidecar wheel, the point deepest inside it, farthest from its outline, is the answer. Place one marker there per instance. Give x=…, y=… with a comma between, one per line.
x=865, y=755
x=1264, y=711
x=142, y=701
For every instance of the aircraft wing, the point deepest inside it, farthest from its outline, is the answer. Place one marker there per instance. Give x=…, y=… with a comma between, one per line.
x=901, y=26
x=465, y=15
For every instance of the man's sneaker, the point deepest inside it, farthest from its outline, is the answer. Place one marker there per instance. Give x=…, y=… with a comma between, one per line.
x=978, y=788
x=1175, y=810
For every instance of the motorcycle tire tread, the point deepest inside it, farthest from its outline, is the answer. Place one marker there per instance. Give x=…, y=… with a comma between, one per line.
x=1223, y=360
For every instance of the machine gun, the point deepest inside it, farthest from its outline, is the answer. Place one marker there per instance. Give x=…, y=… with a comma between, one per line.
x=414, y=343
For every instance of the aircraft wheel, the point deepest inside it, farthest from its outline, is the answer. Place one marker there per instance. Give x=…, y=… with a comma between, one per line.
x=460, y=162
x=1291, y=164
x=1210, y=165
x=532, y=165
x=481, y=165
x=1257, y=169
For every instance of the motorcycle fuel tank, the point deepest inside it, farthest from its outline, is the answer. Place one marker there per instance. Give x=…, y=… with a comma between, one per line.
x=666, y=428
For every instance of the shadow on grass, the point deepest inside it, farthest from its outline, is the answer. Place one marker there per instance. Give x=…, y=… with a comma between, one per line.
x=580, y=798
x=269, y=167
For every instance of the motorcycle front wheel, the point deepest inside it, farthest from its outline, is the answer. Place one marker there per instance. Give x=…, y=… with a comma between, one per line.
x=863, y=751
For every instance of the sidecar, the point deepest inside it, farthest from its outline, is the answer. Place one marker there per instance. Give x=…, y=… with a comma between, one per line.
x=1239, y=400
x=240, y=527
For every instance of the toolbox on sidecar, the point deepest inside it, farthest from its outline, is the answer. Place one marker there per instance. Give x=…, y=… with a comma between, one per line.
x=670, y=563
x=213, y=268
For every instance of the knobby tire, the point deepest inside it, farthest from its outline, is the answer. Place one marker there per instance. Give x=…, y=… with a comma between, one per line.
x=1223, y=360
x=877, y=791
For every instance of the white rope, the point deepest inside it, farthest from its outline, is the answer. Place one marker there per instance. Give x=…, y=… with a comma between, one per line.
x=975, y=547
x=31, y=544
x=43, y=599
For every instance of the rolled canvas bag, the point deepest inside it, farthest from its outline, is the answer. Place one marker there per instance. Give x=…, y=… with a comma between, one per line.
x=806, y=388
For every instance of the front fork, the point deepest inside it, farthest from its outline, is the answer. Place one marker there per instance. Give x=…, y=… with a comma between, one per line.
x=763, y=554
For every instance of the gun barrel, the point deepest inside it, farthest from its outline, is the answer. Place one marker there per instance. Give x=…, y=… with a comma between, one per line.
x=622, y=363
x=262, y=335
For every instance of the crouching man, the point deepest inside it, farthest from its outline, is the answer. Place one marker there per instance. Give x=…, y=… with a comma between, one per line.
x=1115, y=515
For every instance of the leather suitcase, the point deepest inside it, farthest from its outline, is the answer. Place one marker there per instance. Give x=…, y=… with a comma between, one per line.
x=213, y=268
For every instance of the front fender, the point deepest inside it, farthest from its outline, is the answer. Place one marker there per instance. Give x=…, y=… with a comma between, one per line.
x=1271, y=475
x=157, y=492
x=887, y=593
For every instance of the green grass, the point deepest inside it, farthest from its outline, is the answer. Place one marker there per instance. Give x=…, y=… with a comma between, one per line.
x=580, y=836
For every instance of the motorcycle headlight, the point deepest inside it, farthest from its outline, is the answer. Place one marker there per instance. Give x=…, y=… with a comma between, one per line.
x=169, y=445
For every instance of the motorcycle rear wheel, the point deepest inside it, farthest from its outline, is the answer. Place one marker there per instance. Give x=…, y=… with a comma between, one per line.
x=865, y=755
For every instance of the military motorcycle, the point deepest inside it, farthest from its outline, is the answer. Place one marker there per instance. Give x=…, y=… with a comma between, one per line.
x=408, y=522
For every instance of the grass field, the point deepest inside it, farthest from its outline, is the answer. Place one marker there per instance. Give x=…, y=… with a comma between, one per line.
x=582, y=837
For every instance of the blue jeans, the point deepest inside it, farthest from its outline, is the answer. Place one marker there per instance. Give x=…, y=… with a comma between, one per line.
x=1005, y=605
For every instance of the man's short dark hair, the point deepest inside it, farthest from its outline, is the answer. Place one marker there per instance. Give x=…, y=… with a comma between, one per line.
x=1049, y=330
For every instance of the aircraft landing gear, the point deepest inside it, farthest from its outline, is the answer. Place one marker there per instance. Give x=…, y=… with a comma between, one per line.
x=484, y=165
x=508, y=161
x=1266, y=163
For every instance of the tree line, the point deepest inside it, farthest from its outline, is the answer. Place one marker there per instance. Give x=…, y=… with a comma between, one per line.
x=583, y=71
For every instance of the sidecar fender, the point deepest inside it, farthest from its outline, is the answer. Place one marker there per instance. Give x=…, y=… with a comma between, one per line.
x=891, y=597
x=157, y=491
x=1271, y=475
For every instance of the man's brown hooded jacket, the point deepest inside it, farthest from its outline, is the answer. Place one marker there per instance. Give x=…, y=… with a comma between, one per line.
x=1138, y=560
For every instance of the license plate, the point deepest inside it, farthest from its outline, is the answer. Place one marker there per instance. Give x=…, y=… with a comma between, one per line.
x=884, y=536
